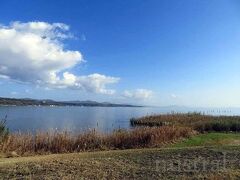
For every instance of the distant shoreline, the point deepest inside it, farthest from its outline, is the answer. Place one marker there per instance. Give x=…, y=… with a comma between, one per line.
x=47, y=102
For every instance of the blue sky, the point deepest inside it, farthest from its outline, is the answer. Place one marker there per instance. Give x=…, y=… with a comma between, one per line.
x=156, y=52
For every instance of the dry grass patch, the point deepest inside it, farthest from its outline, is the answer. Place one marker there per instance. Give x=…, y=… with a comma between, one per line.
x=127, y=164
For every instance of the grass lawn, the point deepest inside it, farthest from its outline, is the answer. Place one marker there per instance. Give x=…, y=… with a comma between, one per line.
x=210, y=139
x=181, y=161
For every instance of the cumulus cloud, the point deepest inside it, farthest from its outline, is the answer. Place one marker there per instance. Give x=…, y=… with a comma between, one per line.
x=138, y=94
x=34, y=52
x=91, y=83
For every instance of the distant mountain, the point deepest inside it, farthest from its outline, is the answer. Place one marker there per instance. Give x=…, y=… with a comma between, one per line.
x=49, y=102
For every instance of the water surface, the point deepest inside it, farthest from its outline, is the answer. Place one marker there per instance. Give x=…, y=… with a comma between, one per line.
x=32, y=118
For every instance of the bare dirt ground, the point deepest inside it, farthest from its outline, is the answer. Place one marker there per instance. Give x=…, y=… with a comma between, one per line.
x=173, y=163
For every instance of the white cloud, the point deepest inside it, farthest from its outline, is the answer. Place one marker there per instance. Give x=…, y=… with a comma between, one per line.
x=138, y=94
x=3, y=77
x=34, y=52
x=174, y=96
x=14, y=93
x=91, y=83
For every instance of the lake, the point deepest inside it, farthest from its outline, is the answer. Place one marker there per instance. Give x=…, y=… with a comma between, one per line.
x=32, y=118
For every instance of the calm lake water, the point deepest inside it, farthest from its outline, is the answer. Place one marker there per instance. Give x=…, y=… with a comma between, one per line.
x=30, y=118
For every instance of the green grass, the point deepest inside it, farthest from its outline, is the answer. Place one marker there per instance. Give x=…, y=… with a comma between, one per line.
x=210, y=139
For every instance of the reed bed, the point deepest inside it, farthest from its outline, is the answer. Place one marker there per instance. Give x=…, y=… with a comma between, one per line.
x=65, y=142
x=3, y=130
x=197, y=121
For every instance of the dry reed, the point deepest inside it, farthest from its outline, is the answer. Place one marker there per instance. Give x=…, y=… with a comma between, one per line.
x=197, y=121
x=65, y=142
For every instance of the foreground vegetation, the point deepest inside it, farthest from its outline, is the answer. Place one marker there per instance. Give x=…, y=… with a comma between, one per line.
x=176, y=146
x=64, y=142
x=3, y=131
x=185, y=163
x=197, y=121
x=165, y=129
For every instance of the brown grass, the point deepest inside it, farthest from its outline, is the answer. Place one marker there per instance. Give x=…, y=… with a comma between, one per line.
x=3, y=130
x=147, y=163
x=197, y=121
x=65, y=142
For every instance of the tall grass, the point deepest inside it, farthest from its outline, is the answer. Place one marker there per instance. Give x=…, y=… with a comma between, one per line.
x=218, y=126
x=65, y=142
x=3, y=130
x=197, y=121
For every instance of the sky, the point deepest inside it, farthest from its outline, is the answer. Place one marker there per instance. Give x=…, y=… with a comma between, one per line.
x=156, y=52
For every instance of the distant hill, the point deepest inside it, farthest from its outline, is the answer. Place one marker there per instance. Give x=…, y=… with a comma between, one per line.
x=49, y=102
